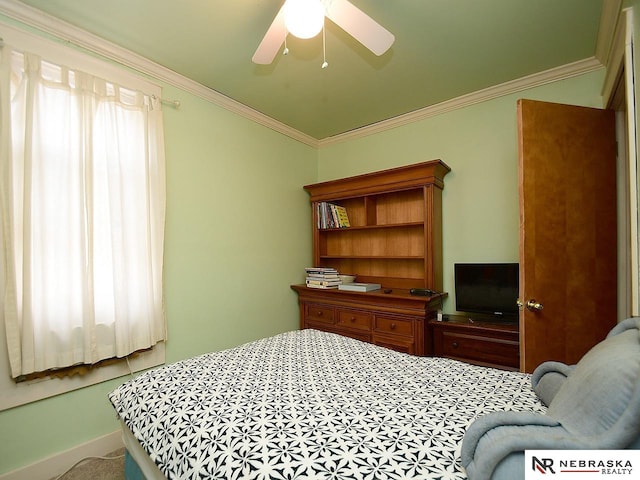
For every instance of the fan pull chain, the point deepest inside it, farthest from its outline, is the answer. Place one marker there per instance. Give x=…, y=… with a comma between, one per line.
x=286, y=50
x=324, y=47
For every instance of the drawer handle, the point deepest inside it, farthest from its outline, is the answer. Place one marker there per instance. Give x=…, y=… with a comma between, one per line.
x=454, y=344
x=353, y=319
x=319, y=313
x=393, y=326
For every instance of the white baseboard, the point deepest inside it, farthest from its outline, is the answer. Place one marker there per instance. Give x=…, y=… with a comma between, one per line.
x=49, y=467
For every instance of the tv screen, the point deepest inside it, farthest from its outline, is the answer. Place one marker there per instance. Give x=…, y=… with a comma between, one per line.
x=488, y=288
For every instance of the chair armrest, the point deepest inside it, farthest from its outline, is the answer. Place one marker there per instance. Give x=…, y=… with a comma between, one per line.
x=547, y=379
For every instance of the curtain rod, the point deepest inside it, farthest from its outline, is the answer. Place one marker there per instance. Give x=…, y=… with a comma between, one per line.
x=172, y=103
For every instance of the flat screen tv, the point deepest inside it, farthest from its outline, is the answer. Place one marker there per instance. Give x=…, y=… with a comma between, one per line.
x=487, y=288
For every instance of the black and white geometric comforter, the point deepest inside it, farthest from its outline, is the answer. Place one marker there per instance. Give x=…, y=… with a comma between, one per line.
x=313, y=405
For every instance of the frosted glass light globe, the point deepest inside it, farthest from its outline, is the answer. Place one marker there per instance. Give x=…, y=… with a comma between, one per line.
x=304, y=18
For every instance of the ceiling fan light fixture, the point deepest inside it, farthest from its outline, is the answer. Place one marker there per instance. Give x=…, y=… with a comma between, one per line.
x=304, y=18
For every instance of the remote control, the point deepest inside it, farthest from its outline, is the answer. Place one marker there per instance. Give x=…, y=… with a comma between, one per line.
x=422, y=292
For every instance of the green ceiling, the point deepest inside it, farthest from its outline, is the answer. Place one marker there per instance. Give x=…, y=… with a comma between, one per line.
x=443, y=49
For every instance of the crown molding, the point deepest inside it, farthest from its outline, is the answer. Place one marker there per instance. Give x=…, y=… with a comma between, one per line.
x=616, y=56
x=524, y=83
x=64, y=31
x=51, y=25
x=606, y=32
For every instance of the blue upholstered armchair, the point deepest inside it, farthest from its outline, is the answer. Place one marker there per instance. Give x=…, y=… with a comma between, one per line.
x=592, y=405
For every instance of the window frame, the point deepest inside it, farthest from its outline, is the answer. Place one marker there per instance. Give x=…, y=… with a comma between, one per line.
x=13, y=394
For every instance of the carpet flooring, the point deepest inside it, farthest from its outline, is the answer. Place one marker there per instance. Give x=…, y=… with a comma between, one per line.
x=97, y=469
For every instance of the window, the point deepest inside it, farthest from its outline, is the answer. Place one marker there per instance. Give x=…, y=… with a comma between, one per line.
x=82, y=198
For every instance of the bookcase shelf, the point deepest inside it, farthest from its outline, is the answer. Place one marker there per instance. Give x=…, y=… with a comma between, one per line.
x=396, y=225
x=374, y=257
x=373, y=227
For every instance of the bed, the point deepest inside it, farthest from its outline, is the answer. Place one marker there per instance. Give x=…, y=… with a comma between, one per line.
x=309, y=404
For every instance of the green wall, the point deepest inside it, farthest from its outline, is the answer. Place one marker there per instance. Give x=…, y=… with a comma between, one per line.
x=479, y=143
x=238, y=228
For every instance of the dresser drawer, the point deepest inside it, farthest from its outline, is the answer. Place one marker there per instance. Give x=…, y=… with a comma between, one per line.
x=394, y=325
x=319, y=313
x=354, y=319
x=493, y=351
x=399, y=344
x=358, y=335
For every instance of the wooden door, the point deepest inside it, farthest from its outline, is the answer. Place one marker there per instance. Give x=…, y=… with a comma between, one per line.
x=567, y=230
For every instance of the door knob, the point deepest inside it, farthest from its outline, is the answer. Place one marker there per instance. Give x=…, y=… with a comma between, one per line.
x=534, y=306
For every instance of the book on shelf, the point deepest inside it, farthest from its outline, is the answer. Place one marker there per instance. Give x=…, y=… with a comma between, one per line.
x=360, y=287
x=326, y=283
x=331, y=215
x=322, y=273
x=322, y=286
x=323, y=279
x=343, y=217
x=321, y=270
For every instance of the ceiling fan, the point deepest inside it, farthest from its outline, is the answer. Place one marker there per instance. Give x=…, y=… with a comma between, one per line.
x=341, y=12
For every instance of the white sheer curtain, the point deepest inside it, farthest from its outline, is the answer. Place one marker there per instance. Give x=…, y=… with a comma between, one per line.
x=82, y=199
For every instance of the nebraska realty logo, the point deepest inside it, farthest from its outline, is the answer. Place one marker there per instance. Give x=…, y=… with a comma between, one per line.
x=581, y=464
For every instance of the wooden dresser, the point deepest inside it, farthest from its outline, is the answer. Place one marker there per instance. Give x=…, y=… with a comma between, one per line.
x=395, y=320
x=395, y=240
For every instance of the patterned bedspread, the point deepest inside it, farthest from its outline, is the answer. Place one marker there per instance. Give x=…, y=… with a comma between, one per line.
x=313, y=405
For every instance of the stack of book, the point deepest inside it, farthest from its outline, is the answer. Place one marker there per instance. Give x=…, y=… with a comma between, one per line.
x=332, y=216
x=322, y=277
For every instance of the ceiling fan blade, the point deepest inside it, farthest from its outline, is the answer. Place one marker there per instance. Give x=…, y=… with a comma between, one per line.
x=360, y=26
x=270, y=44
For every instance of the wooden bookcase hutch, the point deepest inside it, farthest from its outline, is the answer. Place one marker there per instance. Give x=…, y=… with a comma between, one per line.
x=395, y=239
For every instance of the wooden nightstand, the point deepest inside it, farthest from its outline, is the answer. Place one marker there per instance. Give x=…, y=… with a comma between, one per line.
x=481, y=343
